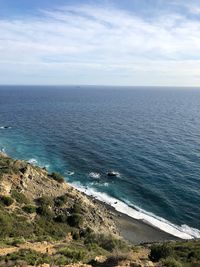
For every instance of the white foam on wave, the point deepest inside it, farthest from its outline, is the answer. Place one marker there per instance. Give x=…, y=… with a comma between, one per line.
x=3, y=150
x=69, y=173
x=33, y=161
x=94, y=175
x=183, y=231
x=47, y=166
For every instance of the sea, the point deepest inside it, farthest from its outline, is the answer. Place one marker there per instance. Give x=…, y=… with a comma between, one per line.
x=148, y=136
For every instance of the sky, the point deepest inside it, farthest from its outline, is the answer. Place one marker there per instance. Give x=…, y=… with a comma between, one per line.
x=129, y=42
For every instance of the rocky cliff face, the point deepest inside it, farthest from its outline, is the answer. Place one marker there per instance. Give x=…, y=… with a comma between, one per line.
x=46, y=222
x=34, y=183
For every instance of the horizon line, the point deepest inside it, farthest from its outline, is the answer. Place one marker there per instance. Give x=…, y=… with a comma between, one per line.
x=104, y=85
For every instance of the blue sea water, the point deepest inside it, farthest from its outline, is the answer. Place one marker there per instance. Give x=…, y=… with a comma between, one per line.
x=151, y=136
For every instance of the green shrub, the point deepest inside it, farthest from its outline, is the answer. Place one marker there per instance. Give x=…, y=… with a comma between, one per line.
x=17, y=241
x=45, y=201
x=29, y=256
x=12, y=225
x=75, y=255
x=61, y=260
x=76, y=208
x=5, y=224
x=75, y=220
x=7, y=165
x=160, y=252
x=187, y=251
x=86, y=232
x=193, y=255
x=7, y=201
x=29, y=209
x=49, y=228
x=61, y=200
x=21, y=227
x=44, y=208
x=171, y=262
x=61, y=218
x=19, y=197
x=76, y=235
x=45, y=211
x=57, y=177
x=106, y=242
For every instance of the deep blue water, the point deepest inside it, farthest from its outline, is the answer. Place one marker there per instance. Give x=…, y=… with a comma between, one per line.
x=150, y=136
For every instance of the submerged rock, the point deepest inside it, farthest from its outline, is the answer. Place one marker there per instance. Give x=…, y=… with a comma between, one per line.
x=112, y=174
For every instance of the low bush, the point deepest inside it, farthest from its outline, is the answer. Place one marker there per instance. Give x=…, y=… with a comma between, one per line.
x=45, y=211
x=7, y=201
x=29, y=209
x=187, y=252
x=160, y=252
x=7, y=165
x=44, y=207
x=19, y=197
x=57, y=177
x=76, y=209
x=171, y=262
x=75, y=255
x=75, y=235
x=61, y=218
x=14, y=226
x=61, y=200
x=21, y=227
x=45, y=201
x=17, y=241
x=106, y=242
x=75, y=220
x=61, y=260
x=5, y=224
x=86, y=233
x=50, y=228
x=29, y=256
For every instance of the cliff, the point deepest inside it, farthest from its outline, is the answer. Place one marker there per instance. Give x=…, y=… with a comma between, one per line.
x=46, y=222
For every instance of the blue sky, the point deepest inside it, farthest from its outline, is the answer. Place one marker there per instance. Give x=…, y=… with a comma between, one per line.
x=129, y=42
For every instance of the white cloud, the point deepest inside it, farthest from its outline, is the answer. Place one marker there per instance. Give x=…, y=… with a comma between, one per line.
x=90, y=44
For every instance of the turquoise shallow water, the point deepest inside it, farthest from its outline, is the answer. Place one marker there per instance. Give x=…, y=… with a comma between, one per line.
x=150, y=136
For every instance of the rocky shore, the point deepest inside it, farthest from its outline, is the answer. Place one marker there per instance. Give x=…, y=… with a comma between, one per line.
x=35, y=182
x=46, y=222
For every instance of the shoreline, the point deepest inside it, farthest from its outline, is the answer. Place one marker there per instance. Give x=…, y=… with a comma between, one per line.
x=171, y=231
x=136, y=231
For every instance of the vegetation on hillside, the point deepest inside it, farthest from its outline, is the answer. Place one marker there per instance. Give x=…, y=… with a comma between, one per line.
x=61, y=218
x=7, y=166
x=177, y=254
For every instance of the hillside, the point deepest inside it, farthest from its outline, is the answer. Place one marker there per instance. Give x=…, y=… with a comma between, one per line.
x=43, y=220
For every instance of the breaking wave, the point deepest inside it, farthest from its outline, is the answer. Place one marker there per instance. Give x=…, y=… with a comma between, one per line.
x=33, y=161
x=183, y=231
x=94, y=175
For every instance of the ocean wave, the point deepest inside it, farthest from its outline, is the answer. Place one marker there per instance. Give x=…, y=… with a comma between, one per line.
x=183, y=231
x=47, y=166
x=94, y=175
x=3, y=150
x=33, y=161
x=69, y=173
